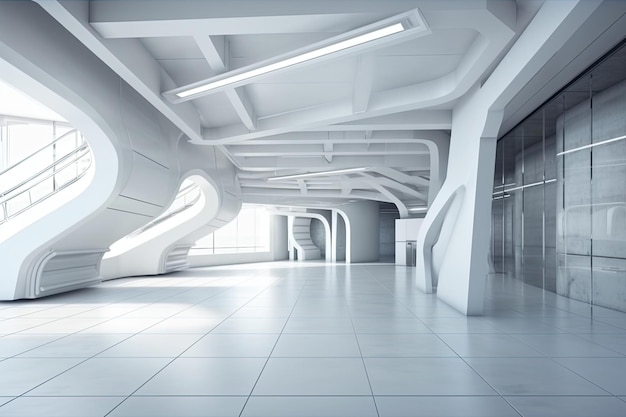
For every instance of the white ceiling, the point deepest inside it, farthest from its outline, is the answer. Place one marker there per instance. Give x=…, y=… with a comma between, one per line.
x=359, y=110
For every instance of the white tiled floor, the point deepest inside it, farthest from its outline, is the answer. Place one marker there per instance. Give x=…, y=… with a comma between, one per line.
x=287, y=339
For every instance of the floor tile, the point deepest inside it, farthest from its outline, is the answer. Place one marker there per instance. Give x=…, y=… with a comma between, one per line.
x=206, y=376
x=608, y=373
x=18, y=375
x=59, y=406
x=180, y=407
x=444, y=406
x=564, y=345
x=386, y=325
x=424, y=376
x=102, y=376
x=458, y=325
x=316, y=345
x=531, y=376
x=184, y=325
x=247, y=325
x=614, y=342
x=253, y=311
x=310, y=407
x=313, y=376
x=403, y=345
x=521, y=325
x=122, y=325
x=14, y=344
x=319, y=325
x=569, y=406
x=66, y=326
x=488, y=345
x=243, y=345
x=18, y=324
x=79, y=345
x=152, y=346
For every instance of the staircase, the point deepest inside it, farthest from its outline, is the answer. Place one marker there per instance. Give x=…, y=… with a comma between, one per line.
x=301, y=239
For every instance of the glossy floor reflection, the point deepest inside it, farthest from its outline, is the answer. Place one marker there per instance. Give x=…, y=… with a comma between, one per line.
x=286, y=339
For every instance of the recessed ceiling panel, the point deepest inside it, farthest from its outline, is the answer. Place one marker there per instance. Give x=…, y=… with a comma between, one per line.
x=172, y=47
x=186, y=71
x=397, y=71
x=216, y=110
x=439, y=42
x=259, y=47
x=270, y=99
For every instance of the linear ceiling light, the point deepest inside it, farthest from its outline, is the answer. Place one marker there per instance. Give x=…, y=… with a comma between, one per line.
x=408, y=24
x=318, y=174
x=298, y=59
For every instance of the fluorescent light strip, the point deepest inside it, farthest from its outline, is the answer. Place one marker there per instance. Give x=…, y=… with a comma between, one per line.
x=591, y=145
x=317, y=174
x=418, y=209
x=307, y=56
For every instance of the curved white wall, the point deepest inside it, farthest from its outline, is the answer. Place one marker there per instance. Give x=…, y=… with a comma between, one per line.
x=136, y=173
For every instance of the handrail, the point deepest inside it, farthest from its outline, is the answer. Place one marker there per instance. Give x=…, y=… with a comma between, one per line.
x=4, y=199
x=70, y=159
x=42, y=171
x=7, y=217
x=169, y=214
x=37, y=151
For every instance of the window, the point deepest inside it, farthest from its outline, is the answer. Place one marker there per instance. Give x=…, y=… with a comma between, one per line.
x=249, y=232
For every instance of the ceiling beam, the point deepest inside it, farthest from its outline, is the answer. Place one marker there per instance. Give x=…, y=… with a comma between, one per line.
x=130, y=60
x=362, y=86
x=132, y=18
x=216, y=52
x=413, y=162
x=409, y=120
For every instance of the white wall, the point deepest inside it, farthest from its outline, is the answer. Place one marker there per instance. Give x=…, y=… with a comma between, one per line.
x=362, y=230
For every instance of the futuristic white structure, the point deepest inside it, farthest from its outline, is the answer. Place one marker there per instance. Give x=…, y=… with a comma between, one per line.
x=410, y=118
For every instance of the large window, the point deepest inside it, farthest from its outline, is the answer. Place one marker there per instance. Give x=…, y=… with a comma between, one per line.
x=249, y=232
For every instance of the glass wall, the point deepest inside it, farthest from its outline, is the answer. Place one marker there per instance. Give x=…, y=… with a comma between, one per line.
x=559, y=196
x=249, y=232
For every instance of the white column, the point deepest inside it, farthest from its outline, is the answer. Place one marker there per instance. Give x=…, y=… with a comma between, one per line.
x=454, y=238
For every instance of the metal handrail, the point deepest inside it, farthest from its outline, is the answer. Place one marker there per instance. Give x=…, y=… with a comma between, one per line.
x=4, y=199
x=38, y=151
x=49, y=167
x=70, y=159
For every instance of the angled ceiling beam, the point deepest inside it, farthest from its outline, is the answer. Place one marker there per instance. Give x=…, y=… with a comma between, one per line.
x=314, y=194
x=382, y=33
x=302, y=185
x=295, y=152
x=414, y=162
x=129, y=59
x=401, y=177
x=495, y=33
x=362, y=86
x=131, y=18
x=388, y=183
x=216, y=52
x=410, y=120
x=339, y=112
x=328, y=151
x=402, y=209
